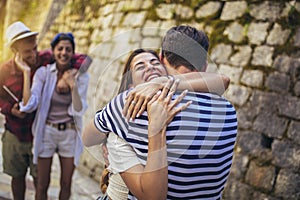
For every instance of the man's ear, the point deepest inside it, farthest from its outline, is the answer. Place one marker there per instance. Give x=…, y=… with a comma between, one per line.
x=204, y=68
x=14, y=50
x=161, y=58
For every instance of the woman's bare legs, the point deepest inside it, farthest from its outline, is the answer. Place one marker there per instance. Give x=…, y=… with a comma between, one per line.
x=43, y=178
x=67, y=168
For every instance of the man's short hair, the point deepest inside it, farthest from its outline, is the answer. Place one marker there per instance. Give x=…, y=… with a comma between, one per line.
x=185, y=45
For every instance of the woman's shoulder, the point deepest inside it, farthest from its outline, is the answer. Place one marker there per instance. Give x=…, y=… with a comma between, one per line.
x=43, y=71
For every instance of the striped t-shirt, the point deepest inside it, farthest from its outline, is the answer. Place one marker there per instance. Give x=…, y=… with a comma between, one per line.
x=200, y=142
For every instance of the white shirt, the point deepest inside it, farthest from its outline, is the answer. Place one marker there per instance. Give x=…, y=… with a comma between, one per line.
x=44, y=82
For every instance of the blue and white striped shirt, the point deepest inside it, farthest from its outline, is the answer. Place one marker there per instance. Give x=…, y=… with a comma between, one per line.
x=200, y=143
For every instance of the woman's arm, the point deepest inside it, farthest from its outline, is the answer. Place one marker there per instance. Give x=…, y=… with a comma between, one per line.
x=92, y=136
x=193, y=81
x=70, y=76
x=203, y=82
x=151, y=181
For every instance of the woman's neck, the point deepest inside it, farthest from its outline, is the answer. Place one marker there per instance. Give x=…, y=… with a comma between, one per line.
x=62, y=68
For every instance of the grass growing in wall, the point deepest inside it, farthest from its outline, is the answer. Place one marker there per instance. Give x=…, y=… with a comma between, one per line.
x=292, y=23
x=78, y=6
x=217, y=36
x=151, y=13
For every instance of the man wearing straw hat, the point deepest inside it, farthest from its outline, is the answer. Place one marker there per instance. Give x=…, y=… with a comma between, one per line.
x=17, y=137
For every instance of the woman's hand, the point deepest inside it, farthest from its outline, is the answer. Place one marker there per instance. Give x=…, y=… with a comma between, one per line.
x=137, y=99
x=161, y=109
x=70, y=77
x=62, y=87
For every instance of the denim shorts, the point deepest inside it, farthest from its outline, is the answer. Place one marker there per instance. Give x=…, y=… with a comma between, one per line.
x=17, y=156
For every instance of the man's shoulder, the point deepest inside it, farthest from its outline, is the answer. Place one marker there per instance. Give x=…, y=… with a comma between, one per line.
x=209, y=99
x=206, y=96
x=120, y=98
x=7, y=63
x=7, y=66
x=116, y=103
x=45, y=57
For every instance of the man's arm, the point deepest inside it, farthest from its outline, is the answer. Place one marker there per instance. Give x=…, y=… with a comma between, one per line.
x=5, y=105
x=26, y=77
x=79, y=61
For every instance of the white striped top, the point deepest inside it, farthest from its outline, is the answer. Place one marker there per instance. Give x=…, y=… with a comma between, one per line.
x=200, y=143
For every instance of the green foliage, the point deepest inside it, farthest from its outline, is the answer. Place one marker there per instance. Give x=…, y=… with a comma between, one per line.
x=78, y=6
x=293, y=17
x=28, y=9
x=217, y=36
x=190, y=3
x=246, y=19
x=292, y=23
x=152, y=14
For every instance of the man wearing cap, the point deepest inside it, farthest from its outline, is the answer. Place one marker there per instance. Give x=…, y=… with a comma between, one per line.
x=17, y=138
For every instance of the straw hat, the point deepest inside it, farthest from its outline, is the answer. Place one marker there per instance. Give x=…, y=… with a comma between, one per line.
x=17, y=31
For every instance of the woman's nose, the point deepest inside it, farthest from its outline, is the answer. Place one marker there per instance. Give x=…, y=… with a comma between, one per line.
x=150, y=66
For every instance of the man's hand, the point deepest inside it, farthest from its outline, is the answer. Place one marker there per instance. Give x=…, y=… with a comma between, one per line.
x=16, y=112
x=23, y=66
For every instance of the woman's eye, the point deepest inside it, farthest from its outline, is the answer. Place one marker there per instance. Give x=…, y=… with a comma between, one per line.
x=141, y=67
x=69, y=50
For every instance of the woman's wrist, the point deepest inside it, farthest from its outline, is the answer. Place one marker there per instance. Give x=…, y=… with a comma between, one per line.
x=171, y=77
x=73, y=85
x=161, y=81
x=156, y=128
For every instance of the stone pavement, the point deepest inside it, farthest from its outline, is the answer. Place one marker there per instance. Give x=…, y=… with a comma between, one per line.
x=83, y=187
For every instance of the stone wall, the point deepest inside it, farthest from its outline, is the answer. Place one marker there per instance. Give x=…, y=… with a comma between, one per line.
x=256, y=43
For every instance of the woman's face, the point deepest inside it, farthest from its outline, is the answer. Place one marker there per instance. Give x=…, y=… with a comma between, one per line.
x=63, y=53
x=145, y=67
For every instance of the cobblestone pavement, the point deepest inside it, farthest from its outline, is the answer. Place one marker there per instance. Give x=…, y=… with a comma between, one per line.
x=83, y=187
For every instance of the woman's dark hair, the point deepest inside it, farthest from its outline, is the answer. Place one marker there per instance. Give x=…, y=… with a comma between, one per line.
x=127, y=75
x=63, y=36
